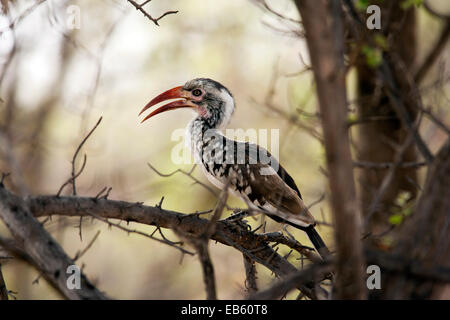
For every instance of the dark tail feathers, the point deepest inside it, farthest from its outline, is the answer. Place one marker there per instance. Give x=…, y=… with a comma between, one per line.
x=313, y=236
x=317, y=241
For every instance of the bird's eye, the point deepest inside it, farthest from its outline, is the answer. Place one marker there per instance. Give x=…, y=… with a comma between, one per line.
x=197, y=92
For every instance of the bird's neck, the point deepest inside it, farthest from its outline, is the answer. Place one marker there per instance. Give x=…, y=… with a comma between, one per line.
x=199, y=132
x=199, y=127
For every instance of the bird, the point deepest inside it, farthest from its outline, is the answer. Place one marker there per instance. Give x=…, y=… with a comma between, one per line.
x=241, y=167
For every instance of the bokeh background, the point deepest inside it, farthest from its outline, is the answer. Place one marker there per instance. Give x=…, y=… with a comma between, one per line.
x=56, y=81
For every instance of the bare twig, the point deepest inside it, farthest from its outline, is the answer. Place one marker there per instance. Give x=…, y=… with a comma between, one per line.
x=3, y=289
x=424, y=240
x=140, y=8
x=69, y=181
x=200, y=244
x=387, y=179
x=201, y=247
x=316, y=271
x=175, y=245
x=221, y=203
x=250, y=275
x=186, y=173
x=291, y=118
x=278, y=237
x=387, y=165
x=434, y=12
x=3, y=177
x=433, y=54
x=226, y=233
x=22, y=16
x=399, y=107
x=79, y=254
x=75, y=174
x=435, y=119
x=7, y=144
x=323, y=24
x=74, y=158
x=266, y=6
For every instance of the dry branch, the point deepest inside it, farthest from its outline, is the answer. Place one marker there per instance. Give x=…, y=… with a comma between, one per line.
x=387, y=165
x=316, y=271
x=140, y=8
x=425, y=237
x=434, y=53
x=322, y=21
x=200, y=244
x=3, y=288
x=251, y=244
x=250, y=275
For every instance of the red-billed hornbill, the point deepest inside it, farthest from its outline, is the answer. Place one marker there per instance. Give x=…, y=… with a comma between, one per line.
x=264, y=186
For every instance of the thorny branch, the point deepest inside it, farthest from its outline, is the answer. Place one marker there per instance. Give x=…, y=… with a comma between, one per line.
x=75, y=175
x=434, y=53
x=164, y=240
x=316, y=271
x=140, y=8
x=293, y=119
x=323, y=24
x=250, y=275
x=79, y=254
x=251, y=244
x=388, y=178
x=200, y=244
x=387, y=165
x=41, y=250
x=186, y=173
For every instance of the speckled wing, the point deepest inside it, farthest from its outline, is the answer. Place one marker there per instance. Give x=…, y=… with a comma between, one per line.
x=262, y=180
x=274, y=189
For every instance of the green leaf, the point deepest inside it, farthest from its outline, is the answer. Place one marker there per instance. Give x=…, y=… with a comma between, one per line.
x=362, y=5
x=352, y=117
x=373, y=56
x=381, y=41
x=406, y=4
x=396, y=219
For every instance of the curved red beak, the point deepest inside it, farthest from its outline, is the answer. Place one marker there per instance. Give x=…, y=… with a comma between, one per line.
x=174, y=93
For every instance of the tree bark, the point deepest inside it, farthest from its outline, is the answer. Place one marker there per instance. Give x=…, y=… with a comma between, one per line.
x=249, y=243
x=3, y=289
x=383, y=127
x=322, y=21
x=425, y=237
x=43, y=251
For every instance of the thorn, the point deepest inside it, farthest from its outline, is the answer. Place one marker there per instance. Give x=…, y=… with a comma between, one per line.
x=100, y=193
x=159, y=205
x=107, y=193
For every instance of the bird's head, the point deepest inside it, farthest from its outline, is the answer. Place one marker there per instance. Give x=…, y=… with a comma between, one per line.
x=211, y=100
